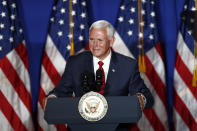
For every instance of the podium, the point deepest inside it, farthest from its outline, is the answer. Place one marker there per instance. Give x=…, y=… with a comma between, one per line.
x=121, y=109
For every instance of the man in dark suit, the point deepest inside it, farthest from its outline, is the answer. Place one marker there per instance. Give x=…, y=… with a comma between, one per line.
x=120, y=73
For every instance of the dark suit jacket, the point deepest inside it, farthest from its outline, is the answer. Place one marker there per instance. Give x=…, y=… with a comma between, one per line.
x=123, y=77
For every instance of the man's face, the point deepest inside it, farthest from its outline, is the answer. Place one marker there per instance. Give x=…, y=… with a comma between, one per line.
x=99, y=44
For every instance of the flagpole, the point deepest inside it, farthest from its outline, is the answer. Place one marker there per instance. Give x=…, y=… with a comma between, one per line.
x=71, y=25
x=194, y=80
x=141, y=61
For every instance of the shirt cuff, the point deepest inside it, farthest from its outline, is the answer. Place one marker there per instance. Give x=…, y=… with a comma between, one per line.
x=52, y=96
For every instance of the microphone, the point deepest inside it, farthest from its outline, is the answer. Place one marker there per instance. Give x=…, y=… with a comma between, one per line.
x=87, y=81
x=99, y=81
x=84, y=81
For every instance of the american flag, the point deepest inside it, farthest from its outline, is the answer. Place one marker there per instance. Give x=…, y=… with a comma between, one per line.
x=15, y=93
x=58, y=46
x=185, y=95
x=127, y=26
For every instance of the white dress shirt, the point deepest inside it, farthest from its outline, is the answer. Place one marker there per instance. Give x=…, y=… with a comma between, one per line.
x=105, y=66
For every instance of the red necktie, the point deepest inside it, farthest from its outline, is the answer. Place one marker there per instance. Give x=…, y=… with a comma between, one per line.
x=103, y=78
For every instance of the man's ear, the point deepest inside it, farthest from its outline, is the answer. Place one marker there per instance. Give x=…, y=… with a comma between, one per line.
x=112, y=41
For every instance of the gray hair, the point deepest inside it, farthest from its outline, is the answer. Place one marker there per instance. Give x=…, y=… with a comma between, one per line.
x=104, y=24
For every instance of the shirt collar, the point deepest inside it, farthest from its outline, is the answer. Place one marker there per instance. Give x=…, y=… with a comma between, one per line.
x=106, y=60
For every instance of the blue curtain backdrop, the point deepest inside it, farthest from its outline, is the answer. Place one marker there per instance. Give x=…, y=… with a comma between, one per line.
x=35, y=16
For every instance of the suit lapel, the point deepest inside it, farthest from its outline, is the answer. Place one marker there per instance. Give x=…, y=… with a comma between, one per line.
x=89, y=63
x=111, y=73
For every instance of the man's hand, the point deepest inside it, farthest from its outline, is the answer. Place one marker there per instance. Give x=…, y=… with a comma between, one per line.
x=141, y=100
x=44, y=102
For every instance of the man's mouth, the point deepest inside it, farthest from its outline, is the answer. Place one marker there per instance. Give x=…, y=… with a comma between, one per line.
x=96, y=49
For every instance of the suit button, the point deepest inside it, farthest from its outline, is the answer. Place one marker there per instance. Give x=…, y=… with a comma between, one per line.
x=142, y=90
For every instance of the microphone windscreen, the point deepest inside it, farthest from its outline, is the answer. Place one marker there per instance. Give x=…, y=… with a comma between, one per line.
x=84, y=81
x=99, y=74
x=87, y=81
x=99, y=81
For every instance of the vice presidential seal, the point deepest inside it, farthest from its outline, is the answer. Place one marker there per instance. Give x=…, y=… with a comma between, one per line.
x=92, y=106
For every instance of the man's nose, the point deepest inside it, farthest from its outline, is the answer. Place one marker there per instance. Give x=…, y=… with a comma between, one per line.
x=96, y=42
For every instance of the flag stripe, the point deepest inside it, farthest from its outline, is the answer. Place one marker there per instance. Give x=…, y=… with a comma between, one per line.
x=61, y=127
x=185, y=74
x=41, y=97
x=154, y=120
x=50, y=69
x=184, y=112
x=16, y=82
x=155, y=81
x=157, y=63
x=158, y=47
x=55, y=56
x=5, y=123
x=179, y=123
x=40, y=128
x=185, y=94
x=42, y=124
x=22, y=53
x=185, y=53
x=19, y=67
x=46, y=85
x=134, y=127
x=10, y=114
x=144, y=123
